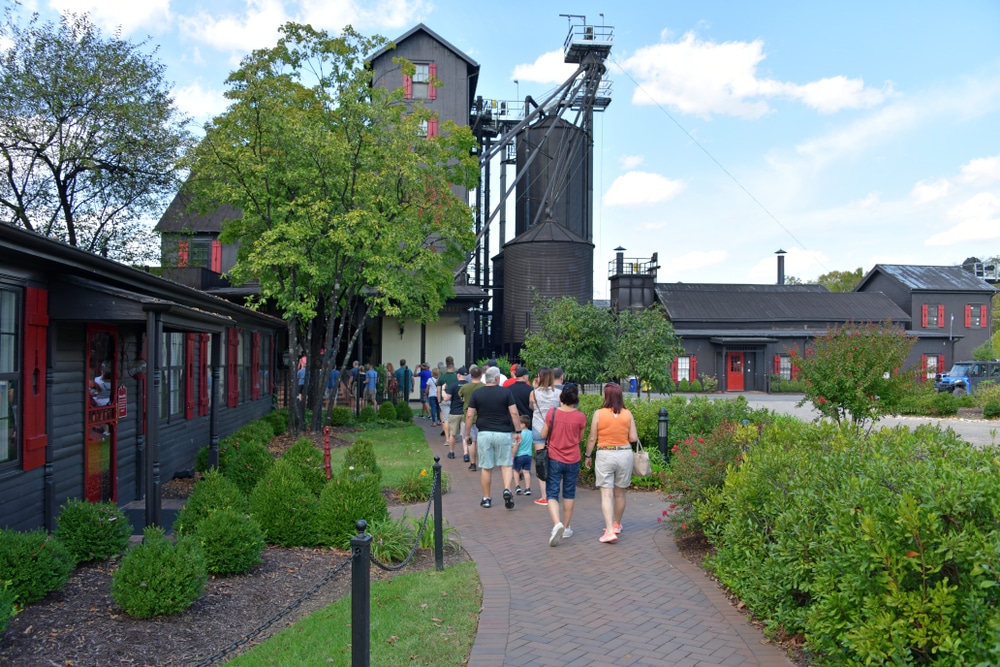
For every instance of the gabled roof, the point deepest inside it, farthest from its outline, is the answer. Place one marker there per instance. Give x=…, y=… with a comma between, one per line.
x=178, y=219
x=918, y=278
x=420, y=27
x=548, y=231
x=764, y=303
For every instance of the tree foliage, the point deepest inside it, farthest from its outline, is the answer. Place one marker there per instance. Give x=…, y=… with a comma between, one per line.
x=841, y=281
x=89, y=136
x=346, y=209
x=855, y=373
x=644, y=347
x=575, y=337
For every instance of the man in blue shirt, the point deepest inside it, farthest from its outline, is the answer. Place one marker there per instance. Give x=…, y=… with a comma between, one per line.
x=371, y=379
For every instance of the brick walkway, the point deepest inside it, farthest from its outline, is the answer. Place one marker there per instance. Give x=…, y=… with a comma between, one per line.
x=637, y=602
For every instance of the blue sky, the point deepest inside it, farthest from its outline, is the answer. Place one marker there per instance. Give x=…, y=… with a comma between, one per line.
x=847, y=133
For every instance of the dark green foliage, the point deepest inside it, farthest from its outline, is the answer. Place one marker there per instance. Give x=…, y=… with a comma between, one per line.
x=284, y=507
x=7, y=608
x=308, y=459
x=361, y=457
x=684, y=385
x=33, y=563
x=340, y=416
x=212, y=493
x=367, y=414
x=991, y=410
x=93, y=531
x=416, y=486
x=392, y=539
x=258, y=432
x=277, y=420
x=404, y=412
x=159, y=576
x=350, y=496
x=696, y=386
x=249, y=463
x=387, y=411
x=231, y=541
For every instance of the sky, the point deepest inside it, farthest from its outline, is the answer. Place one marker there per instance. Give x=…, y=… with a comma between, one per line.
x=846, y=134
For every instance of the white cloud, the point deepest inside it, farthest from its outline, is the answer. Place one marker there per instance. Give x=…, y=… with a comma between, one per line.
x=112, y=14
x=257, y=27
x=547, y=68
x=694, y=260
x=628, y=162
x=870, y=200
x=978, y=219
x=704, y=78
x=333, y=15
x=860, y=136
x=981, y=171
x=928, y=191
x=198, y=102
x=640, y=188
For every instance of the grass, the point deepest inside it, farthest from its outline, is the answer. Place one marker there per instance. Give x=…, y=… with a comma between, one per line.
x=423, y=618
x=400, y=452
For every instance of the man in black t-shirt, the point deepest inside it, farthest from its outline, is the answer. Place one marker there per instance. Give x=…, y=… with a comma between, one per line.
x=492, y=409
x=521, y=390
x=457, y=405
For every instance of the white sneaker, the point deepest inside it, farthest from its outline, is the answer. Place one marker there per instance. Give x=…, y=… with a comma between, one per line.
x=568, y=533
x=556, y=535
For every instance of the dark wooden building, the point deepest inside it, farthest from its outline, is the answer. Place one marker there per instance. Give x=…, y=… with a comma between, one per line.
x=113, y=378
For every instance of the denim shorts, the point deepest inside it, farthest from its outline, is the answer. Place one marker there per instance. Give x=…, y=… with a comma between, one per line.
x=495, y=449
x=522, y=462
x=564, y=475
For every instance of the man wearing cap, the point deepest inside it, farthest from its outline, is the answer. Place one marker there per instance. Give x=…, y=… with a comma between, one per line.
x=471, y=431
x=492, y=408
x=521, y=391
x=456, y=414
x=513, y=377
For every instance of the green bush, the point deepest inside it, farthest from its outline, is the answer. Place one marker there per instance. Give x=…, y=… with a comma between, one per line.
x=404, y=412
x=684, y=385
x=986, y=392
x=340, y=416
x=277, y=420
x=231, y=541
x=159, y=577
x=696, y=386
x=308, y=459
x=991, y=410
x=416, y=486
x=387, y=412
x=212, y=493
x=361, y=457
x=350, y=496
x=93, y=531
x=367, y=415
x=7, y=608
x=392, y=539
x=448, y=533
x=709, y=383
x=250, y=462
x=285, y=507
x=33, y=563
x=943, y=405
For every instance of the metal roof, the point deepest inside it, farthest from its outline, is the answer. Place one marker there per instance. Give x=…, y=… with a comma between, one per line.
x=930, y=278
x=744, y=287
x=548, y=231
x=178, y=219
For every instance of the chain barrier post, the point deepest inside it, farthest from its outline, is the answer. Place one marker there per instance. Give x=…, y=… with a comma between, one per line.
x=438, y=518
x=662, y=432
x=326, y=452
x=361, y=596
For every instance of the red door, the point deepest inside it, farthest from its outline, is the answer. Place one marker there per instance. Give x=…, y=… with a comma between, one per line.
x=734, y=371
x=101, y=415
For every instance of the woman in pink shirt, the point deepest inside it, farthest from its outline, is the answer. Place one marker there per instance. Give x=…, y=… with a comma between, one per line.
x=563, y=429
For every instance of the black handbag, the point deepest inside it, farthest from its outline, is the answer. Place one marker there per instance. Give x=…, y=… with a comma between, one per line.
x=542, y=455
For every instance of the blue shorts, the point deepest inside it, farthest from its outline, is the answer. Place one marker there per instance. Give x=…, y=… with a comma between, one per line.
x=494, y=449
x=564, y=475
x=522, y=463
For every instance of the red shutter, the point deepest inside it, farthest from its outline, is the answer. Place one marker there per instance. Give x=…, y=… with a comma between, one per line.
x=36, y=325
x=673, y=369
x=232, y=366
x=923, y=316
x=968, y=317
x=189, y=376
x=407, y=86
x=923, y=366
x=206, y=368
x=694, y=368
x=431, y=90
x=254, y=366
x=182, y=253
x=982, y=316
x=432, y=128
x=940, y=363
x=940, y=316
x=217, y=256
x=777, y=365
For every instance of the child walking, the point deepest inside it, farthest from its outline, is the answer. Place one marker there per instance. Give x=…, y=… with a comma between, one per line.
x=522, y=460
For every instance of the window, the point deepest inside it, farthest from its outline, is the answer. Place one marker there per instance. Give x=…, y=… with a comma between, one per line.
x=419, y=86
x=932, y=315
x=932, y=364
x=9, y=374
x=684, y=368
x=975, y=316
x=172, y=363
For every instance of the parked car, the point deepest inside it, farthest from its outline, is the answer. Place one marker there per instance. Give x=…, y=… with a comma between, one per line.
x=964, y=376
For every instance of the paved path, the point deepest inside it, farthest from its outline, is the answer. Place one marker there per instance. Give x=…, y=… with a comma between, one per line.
x=637, y=602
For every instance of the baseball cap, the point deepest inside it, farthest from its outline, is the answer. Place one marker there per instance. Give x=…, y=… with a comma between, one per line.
x=463, y=371
x=491, y=362
x=521, y=371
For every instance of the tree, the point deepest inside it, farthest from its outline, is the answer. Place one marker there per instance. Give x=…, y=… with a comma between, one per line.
x=854, y=373
x=841, y=281
x=575, y=337
x=346, y=211
x=644, y=347
x=89, y=135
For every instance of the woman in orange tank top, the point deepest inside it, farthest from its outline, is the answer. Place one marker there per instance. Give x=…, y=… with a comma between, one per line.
x=612, y=430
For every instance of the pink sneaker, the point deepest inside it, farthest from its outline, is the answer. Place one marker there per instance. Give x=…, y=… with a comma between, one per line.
x=608, y=537
x=541, y=501
x=617, y=527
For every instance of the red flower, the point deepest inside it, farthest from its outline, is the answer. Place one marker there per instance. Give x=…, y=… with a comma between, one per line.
x=674, y=448
x=672, y=506
x=822, y=400
x=665, y=511
x=684, y=526
x=659, y=519
x=701, y=440
x=694, y=453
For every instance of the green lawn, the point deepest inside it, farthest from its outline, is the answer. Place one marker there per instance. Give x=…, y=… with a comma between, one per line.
x=400, y=451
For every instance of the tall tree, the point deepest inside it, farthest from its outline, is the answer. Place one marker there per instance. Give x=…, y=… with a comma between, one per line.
x=575, y=337
x=841, y=281
x=644, y=347
x=346, y=209
x=89, y=136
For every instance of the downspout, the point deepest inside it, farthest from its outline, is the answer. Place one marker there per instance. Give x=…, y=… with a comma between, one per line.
x=154, y=334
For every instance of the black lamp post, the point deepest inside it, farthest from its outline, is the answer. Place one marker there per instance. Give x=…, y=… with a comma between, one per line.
x=662, y=431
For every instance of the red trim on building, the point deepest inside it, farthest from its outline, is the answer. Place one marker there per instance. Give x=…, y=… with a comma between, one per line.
x=189, y=375
x=206, y=368
x=940, y=316
x=968, y=317
x=182, y=253
x=217, y=256
x=232, y=367
x=407, y=86
x=432, y=69
x=924, y=315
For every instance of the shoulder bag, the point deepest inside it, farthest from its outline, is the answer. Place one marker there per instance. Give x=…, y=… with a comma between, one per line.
x=542, y=455
x=640, y=461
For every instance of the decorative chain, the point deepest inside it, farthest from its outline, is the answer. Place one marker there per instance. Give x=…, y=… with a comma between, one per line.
x=420, y=534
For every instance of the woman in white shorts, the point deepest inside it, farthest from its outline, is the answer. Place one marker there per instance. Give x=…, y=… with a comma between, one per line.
x=612, y=430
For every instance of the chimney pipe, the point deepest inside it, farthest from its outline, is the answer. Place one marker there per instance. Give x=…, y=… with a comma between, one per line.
x=781, y=266
x=619, y=260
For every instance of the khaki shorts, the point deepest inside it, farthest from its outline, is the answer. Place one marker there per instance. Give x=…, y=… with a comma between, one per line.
x=455, y=425
x=613, y=467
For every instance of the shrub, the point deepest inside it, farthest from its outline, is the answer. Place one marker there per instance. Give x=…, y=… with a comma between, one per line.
x=387, y=412
x=350, y=496
x=231, y=541
x=33, y=563
x=159, y=577
x=684, y=385
x=93, y=531
x=212, y=493
x=991, y=410
x=943, y=405
x=709, y=383
x=392, y=539
x=340, y=416
x=249, y=464
x=277, y=420
x=7, y=608
x=448, y=533
x=416, y=486
x=367, y=415
x=986, y=392
x=361, y=457
x=308, y=459
x=696, y=386
x=404, y=412
x=284, y=507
